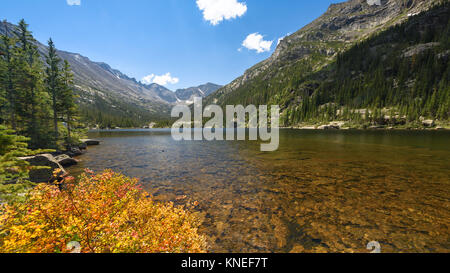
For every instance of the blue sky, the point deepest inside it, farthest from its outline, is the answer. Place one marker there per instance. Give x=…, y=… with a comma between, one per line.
x=196, y=41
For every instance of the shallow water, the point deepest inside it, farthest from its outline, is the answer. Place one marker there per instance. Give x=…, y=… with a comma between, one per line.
x=322, y=191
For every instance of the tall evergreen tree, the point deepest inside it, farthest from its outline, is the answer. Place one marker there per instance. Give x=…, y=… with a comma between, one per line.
x=29, y=79
x=12, y=168
x=68, y=106
x=53, y=84
x=3, y=99
x=7, y=49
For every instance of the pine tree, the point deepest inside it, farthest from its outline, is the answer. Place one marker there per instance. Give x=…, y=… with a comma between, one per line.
x=7, y=49
x=68, y=106
x=3, y=98
x=13, y=170
x=53, y=85
x=29, y=78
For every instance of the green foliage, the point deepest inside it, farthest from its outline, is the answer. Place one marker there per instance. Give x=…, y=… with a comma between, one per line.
x=13, y=170
x=67, y=103
x=32, y=99
x=53, y=83
x=33, y=96
x=377, y=73
x=164, y=124
x=98, y=111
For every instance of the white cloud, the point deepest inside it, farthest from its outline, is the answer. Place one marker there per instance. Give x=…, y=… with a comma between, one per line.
x=255, y=41
x=215, y=11
x=73, y=2
x=161, y=80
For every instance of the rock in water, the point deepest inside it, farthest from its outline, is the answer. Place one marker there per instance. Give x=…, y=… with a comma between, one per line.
x=91, y=142
x=82, y=146
x=74, y=151
x=65, y=160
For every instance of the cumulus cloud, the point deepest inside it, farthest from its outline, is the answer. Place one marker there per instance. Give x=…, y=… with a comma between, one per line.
x=255, y=41
x=73, y=2
x=161, y=80
x=215, y=11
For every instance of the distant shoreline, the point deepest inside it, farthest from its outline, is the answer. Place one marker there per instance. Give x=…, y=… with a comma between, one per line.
x=366, y=129
x=306, y=128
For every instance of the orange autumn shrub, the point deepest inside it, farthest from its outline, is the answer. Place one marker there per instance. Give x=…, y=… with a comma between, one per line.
x=103, y=213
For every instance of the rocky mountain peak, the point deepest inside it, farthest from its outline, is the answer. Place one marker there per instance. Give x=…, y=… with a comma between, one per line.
x=202, y=91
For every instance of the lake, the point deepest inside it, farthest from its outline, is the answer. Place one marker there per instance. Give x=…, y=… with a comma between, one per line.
x=322, y=191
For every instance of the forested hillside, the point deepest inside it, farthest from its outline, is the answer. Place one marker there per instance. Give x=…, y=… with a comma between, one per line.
x=398, y=75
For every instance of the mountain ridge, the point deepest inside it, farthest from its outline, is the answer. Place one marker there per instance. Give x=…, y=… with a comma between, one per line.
x=336, y=30
x=101, y=86
x=204, y=90
x=309, y=77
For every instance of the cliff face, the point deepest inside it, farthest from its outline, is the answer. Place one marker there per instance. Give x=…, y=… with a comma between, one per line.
x=318, y=43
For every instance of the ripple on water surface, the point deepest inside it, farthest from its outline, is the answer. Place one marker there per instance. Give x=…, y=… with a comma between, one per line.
x=320, y=192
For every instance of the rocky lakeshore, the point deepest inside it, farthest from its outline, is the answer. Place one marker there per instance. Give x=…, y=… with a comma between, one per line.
x=342, y=125
x=56, y=161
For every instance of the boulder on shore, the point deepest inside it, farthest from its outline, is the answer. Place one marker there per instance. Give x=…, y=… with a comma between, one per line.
x=82, y=146
x=44, y=175
x=428, y=123
x=328, y=127
x=375, y=127
x=65, y=160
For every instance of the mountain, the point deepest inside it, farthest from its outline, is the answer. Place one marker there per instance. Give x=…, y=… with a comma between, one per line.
x=101, y=87
x=110, y=98
x=303, y=62
x=183, y=95
x=164, y=93
x=202, y=91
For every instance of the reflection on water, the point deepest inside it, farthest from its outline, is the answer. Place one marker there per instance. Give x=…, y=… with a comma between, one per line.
x=320, y=192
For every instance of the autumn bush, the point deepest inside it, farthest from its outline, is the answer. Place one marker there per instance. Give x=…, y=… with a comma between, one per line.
x=104, y=213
